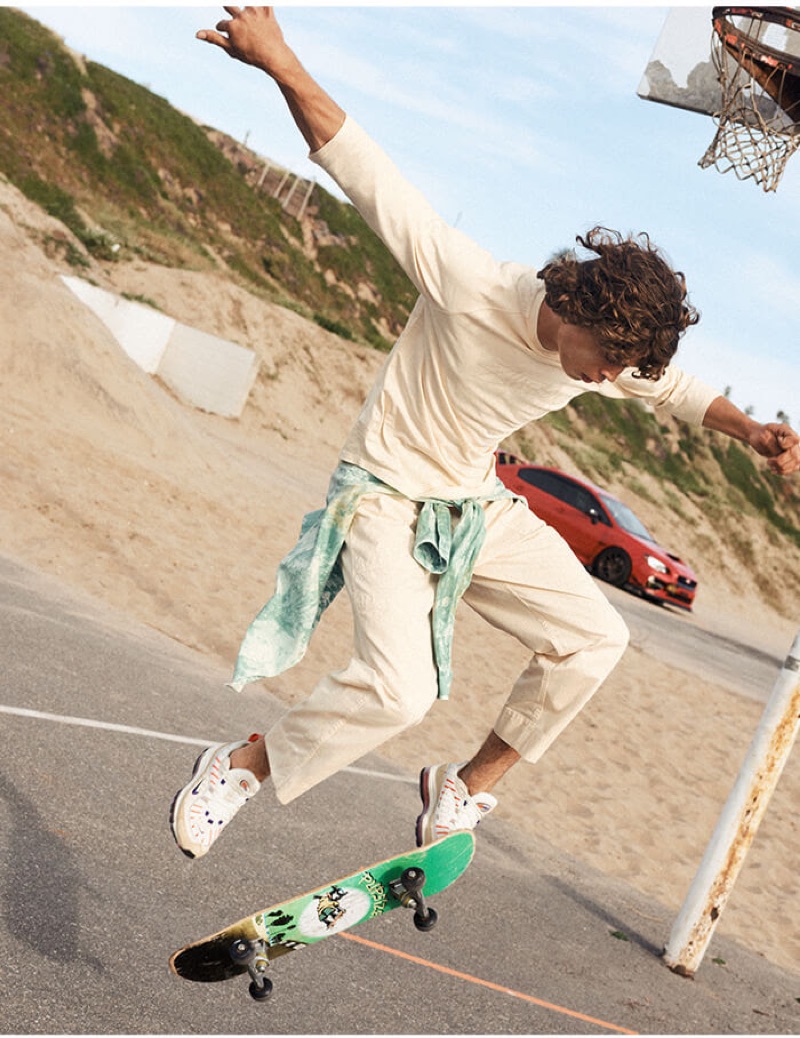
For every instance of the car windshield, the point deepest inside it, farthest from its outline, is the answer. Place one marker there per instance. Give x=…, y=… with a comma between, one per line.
x=626, y=519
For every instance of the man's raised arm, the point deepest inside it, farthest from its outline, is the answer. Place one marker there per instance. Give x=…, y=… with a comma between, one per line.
x=252, y=35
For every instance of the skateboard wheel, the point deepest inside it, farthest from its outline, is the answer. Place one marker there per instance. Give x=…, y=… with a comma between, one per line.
x=426, y=922
x=260, y=990
x=413, y=880
x=241, y=951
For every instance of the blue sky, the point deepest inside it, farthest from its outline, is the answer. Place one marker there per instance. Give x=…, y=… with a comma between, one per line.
x=523, y=127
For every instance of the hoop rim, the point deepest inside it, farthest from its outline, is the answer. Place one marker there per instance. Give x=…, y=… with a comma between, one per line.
x=737, y=40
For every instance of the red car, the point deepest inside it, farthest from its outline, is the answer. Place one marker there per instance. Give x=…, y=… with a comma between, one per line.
x=603, y=532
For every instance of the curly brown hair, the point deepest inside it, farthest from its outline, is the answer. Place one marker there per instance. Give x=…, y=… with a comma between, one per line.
x=629, y=295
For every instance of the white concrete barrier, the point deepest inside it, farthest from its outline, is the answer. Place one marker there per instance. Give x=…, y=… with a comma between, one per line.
x=209, y=373
x=140, y=330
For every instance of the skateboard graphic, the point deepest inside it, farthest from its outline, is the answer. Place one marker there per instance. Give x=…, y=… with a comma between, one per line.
x=250, y=945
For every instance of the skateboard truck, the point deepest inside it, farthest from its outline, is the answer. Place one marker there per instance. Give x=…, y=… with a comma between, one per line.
x=253, y=956
x=408, y=891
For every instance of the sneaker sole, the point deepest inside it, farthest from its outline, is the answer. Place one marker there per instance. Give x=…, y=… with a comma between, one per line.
x=425, y=794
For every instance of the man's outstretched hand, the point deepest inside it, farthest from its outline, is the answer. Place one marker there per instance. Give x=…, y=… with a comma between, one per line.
x=252, y=35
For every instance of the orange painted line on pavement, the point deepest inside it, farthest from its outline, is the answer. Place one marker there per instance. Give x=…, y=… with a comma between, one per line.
x=487, y=984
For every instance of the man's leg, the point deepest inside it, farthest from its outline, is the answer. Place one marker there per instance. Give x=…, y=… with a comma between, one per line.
x=529, y=583
x=390, y=683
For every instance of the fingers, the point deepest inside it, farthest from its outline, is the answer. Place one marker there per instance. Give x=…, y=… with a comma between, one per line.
x=780, y=445
x=787, y=460
x=773, y=439
x=250, y=35
x=786, y=463
x=222, y=26
x=214, y=37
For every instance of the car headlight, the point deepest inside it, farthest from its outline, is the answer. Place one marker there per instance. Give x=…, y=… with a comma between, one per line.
x=656, y=564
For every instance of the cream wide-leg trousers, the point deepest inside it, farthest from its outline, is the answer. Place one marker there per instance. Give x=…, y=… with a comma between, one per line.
x=526, y=582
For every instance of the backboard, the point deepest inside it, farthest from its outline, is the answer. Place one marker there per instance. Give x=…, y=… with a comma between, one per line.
x=681, y=70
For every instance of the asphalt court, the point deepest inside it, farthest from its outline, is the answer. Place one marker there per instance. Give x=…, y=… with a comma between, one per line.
x=102, y=719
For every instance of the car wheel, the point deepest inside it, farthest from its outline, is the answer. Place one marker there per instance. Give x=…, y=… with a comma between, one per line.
x=613, y=565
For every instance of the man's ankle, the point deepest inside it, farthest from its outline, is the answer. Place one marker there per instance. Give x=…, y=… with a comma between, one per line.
x=253, y=758
x=466, y=776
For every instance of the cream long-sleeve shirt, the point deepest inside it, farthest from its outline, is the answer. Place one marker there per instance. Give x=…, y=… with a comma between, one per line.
x=468, y=369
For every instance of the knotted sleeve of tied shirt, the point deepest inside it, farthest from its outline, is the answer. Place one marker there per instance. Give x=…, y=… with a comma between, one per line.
x=449, y=537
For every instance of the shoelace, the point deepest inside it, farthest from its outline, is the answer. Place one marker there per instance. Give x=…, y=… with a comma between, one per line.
x=235, y=789
x=228, y=796
x=472, y=809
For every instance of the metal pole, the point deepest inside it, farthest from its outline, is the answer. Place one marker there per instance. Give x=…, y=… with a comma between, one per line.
x=738, y=822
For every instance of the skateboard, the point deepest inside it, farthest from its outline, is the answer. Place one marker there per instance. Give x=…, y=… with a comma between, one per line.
x=253, y=943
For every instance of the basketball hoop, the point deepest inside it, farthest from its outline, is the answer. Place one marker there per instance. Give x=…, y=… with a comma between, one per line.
x=756, y=54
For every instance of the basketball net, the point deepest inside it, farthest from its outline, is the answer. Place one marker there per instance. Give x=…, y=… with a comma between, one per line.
x=758, y=125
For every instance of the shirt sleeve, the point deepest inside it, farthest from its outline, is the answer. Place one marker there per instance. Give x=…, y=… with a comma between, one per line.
x=443, y=263
x=676, y=392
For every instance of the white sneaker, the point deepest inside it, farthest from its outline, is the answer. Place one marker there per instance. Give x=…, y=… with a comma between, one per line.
x=202, y=809
x=447, y=804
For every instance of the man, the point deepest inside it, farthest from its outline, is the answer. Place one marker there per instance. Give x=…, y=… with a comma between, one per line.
x=416, y=517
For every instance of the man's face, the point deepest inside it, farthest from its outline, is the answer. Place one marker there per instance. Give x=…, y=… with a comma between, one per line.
x=581, y=357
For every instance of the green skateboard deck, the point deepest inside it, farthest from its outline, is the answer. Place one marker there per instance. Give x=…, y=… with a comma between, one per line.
x=250, y=945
